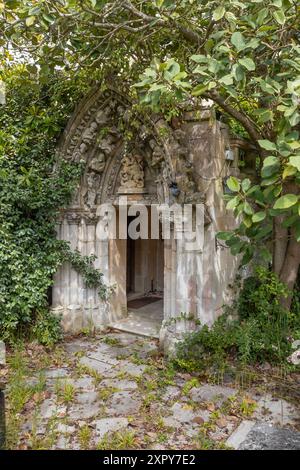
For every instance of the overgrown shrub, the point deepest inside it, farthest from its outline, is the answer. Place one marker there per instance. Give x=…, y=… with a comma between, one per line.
x=254, y=329
x=47, y=328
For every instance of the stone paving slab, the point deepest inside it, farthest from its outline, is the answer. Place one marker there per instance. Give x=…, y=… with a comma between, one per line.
x=132, y=369
x=106, y=425
x=276, y=411
x=268, y=437
x=183, y=414
x=120, y=385
x=85, y=411
x=123, y=403
x=212, y=393
x=56, y=373
x=98, y=366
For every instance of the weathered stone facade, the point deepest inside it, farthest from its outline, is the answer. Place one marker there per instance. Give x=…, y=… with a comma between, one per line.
x=191, y=155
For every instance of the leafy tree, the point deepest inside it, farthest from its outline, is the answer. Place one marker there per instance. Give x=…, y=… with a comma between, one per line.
x=245, y=56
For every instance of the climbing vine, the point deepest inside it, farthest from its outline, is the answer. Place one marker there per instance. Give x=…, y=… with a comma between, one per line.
x=33, y=188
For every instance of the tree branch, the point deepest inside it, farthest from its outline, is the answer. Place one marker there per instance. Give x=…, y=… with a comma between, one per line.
x=238, y=115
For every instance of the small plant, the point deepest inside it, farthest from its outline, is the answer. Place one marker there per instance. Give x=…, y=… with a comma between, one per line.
x=247, y=407
x=189, y=385
x=162, y=437
x=111, y=341
x=148, y=399
x=105, y=393
x=117, y=441
x=84, y=437
x=160, y=424
x=65, y=391
x=85, y=370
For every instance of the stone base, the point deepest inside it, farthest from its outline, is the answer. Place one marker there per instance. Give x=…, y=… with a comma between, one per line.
x=171, y=335
x=76, y=318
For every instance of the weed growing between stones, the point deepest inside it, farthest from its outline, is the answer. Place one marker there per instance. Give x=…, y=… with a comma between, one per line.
x=118, y=441
x=65, y=391
x=84, y=437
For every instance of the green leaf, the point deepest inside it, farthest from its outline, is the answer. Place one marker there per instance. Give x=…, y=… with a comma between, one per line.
x=247, y=221
x=237, y=39
x=261, y=16
x=295, y=161
x=289, y=171
x=270, y=181
x=267, y=256
x=258, y=216
x=199, y=89
x=247, y=208
x=270, y=161
x=247, y=256
x=30, y=20
x=233, y=184
x=279, y=16
x=224, y=235
x=246, y=183
x=227, y=80
x=286, y=201
x=267, y=145
x=218, y=13
x=199, y=58
x=238, y=72
x=247, y=63
x=233, y=203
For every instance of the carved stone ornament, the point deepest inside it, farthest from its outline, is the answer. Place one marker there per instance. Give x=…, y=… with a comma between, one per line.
x=93, y=136
x=132, y=173
x=97, y=163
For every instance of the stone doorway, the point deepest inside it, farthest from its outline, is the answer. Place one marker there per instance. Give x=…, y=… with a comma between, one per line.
x=144, y=261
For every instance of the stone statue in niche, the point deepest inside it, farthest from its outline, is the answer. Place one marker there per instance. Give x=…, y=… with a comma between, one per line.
x=91, y=187
x=132, y=173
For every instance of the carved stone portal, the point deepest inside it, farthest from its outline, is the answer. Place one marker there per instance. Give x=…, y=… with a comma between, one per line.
x=132, y=174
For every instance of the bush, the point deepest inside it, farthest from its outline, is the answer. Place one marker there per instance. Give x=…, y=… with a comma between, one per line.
x=47, y=328
x=254, y=329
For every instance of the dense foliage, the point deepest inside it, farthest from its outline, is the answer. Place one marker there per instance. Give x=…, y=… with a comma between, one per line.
x=256, y=328
x=34, y=186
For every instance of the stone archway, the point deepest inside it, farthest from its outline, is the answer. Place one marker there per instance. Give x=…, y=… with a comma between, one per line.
x=93, y=136
x=190, y=156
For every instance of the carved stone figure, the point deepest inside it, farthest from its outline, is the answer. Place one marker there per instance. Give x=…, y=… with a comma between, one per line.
x=90, y=193
x=107, y=143
x=132, y=172
x=102, y=116
x=90, y=133
x=97, y=164
x=79, y=153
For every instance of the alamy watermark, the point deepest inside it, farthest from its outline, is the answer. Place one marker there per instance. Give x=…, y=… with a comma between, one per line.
x=156, y=221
